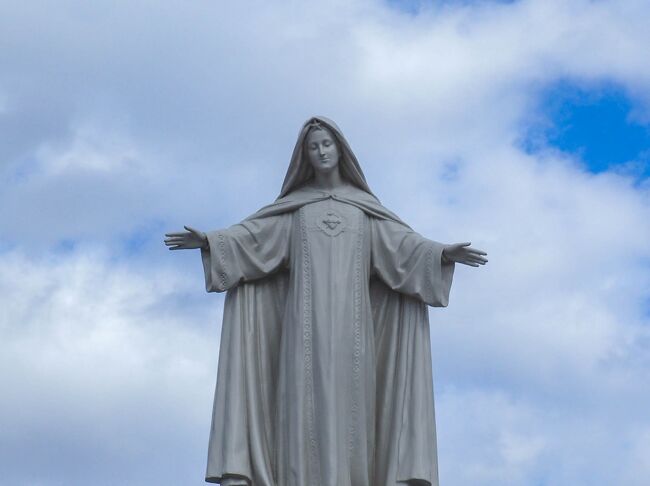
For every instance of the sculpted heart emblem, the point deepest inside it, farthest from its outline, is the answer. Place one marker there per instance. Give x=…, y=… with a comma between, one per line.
x=331, y=223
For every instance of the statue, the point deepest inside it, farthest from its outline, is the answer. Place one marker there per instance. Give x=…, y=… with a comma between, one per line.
x=325, y=362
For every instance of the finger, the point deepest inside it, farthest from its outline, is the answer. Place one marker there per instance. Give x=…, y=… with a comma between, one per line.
x=477, y=259
x=480, y=262
x=472, y=262
x=466, y=259
x=468, y=263
x=478, y=252
x=174, y=241
x=176, y=234
x=177, y=247
x=176, y=238
x=466, y=253
x=466, y=243
x=192, y=230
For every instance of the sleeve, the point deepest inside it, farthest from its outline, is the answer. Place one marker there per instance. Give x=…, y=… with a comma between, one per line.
x=409, y=263
x=246, y=251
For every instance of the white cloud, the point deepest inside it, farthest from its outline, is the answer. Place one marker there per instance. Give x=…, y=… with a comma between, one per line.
x=103, y=367
x=488, y=437
x=124, y=120
x=92, y=150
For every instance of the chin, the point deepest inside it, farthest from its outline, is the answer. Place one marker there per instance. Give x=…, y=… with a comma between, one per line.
x=325, y=168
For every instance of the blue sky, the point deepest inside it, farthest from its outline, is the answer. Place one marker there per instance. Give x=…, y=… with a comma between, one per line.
x=597, y=124
x=523, y=127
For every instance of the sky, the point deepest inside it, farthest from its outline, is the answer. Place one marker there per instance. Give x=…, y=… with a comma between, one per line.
x=521, y=126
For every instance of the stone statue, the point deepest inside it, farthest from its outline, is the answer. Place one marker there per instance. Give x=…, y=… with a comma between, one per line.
x=325, y=362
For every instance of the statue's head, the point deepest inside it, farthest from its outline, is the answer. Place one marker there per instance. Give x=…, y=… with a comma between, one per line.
x=321, y=148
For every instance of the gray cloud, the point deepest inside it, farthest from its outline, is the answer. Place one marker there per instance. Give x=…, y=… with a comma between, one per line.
x=110, y=373
x=120, y=121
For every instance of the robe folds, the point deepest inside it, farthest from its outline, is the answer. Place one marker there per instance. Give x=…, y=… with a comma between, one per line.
x=325, y=364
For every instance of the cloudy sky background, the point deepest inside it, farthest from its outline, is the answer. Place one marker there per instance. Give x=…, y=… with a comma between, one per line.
x=523, y=126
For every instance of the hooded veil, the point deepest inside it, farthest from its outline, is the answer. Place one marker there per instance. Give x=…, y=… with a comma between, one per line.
x=300, y=171
x=246, y=433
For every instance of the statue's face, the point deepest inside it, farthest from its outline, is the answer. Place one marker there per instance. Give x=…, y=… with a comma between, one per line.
x=322, y=150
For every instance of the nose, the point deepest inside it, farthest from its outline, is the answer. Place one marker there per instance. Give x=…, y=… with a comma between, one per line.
x=321, y=150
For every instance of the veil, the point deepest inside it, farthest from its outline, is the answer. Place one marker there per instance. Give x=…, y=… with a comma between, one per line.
x=300, y=171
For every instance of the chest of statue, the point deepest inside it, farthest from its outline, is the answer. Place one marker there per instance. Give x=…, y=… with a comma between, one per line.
x=331, y=219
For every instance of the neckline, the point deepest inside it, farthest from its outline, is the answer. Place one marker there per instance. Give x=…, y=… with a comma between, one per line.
x=331, y=192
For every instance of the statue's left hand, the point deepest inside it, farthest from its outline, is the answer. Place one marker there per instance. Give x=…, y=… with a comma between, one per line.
x=186, y=240
x=465, y=254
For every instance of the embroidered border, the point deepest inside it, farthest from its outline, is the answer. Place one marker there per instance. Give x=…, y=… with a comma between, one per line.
x=222, y=260
x=356, y=358
x=432, y=275
x=314, y=469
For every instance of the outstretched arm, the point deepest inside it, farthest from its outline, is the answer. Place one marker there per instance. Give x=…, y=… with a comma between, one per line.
x=186, y=240
x=464, y=253
x=252, y=249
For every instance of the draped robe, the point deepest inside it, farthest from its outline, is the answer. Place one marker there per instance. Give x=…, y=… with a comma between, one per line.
x=325, y=364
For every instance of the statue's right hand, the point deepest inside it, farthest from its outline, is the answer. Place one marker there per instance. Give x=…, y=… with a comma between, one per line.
x=186, y=240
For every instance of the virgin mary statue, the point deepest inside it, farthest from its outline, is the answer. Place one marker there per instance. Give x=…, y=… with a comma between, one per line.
x=325, y=362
